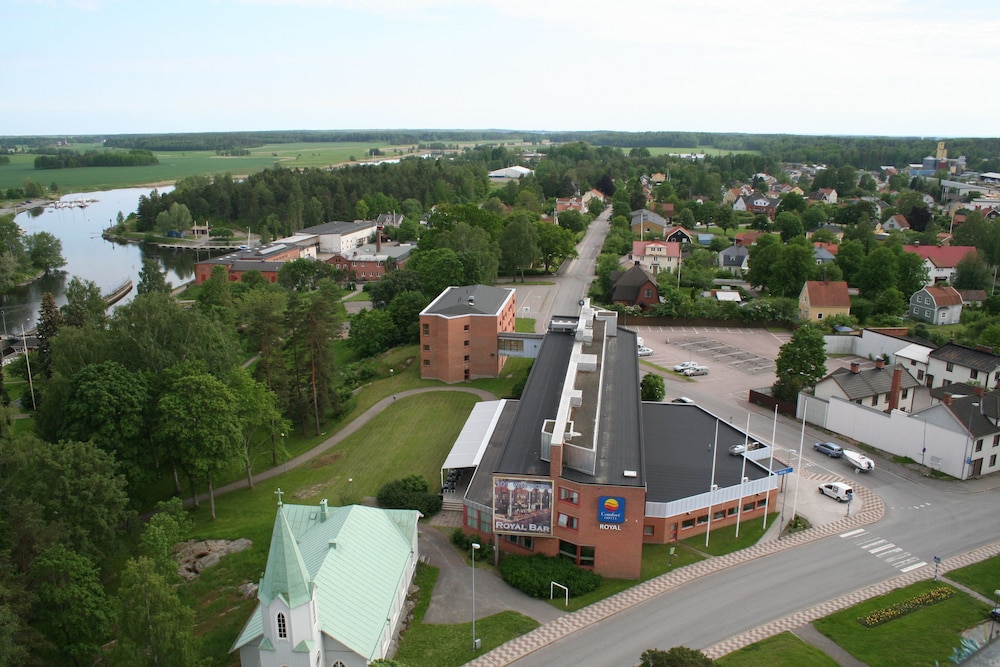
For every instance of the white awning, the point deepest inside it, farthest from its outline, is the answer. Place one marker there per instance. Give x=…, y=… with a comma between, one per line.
x=468, y=449
x=919, y=353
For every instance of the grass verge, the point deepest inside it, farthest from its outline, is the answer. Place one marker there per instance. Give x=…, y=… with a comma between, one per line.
x=783, y=650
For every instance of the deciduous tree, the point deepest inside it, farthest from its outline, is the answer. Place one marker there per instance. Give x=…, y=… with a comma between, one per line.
x=801, y=363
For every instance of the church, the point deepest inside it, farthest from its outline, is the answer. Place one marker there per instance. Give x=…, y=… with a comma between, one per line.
x=334, y=588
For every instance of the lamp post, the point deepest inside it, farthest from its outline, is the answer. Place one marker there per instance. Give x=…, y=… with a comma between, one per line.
x=392, y=381
x=4, y=315
x=283, y=452
x=475, y=640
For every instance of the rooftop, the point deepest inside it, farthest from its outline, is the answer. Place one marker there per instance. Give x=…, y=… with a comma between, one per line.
x=469, y=300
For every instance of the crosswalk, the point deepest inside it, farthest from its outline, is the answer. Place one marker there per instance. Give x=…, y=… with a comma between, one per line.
x=884, y=550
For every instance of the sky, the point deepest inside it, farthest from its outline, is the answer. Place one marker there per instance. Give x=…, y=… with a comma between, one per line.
x=850, y=67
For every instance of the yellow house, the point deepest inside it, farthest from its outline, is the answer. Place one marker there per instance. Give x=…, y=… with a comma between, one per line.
x=821, y=299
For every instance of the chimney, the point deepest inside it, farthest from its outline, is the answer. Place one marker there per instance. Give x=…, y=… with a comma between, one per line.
x=378, y=239
x=880, y=364
x=855, y=367
x=946, y=399
x=897, y=383
x=985, y=348
x=472, y=300
x=323, y=508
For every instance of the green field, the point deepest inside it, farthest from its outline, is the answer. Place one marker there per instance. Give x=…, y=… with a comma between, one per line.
x=176, y=165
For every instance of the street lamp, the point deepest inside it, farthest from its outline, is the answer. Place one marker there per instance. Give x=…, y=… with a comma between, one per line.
x=4, y=315
x=392, y=381
x=475, y=640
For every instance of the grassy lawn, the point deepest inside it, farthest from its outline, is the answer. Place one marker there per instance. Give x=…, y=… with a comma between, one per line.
x=983, y=577
x=923, y=637
x=451, y=645
x=784, y=650
x=723, y=540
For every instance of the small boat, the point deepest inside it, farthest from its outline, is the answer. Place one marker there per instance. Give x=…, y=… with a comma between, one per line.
x=860, y=462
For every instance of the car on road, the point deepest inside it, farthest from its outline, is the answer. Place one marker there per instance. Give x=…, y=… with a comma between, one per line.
x=697, y=370
x=645, y=352
x=683, y=399
x=684, y=365
x=995, y=614
x=737, y=449
x=832, y=450
x=837, y=490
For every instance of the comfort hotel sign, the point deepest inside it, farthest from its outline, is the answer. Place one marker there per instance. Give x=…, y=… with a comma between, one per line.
x=611, y=509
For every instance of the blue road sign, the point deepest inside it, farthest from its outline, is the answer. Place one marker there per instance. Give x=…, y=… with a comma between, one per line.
x=783, y=471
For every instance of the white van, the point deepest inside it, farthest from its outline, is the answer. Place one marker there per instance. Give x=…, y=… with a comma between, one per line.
x=838, y=490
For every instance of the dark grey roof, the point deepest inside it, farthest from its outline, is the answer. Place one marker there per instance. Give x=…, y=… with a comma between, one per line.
x=870, y=382
x=974, y=413
x=626, y=285
x=968, y=357
x=485, y=300
x=336, y=227
x=678, y=446
x=645, y=215
x=391, y=219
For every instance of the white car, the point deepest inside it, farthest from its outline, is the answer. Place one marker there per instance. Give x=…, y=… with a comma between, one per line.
x=697, y=370
x=683, y=399
x=645, y=352
x=837, y=490
x=684, y=365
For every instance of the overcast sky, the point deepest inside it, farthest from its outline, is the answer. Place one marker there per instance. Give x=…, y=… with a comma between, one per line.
x=871, y=67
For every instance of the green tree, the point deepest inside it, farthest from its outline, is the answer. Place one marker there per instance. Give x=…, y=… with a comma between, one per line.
x=372, y=332
x=791, y=270
x=792, y=201
x=878, y=272
x=405, y=311
x=890, y=302
x=197, y=416
x=554, y=243
x=50, y=321
x=850, y=259
x=972, y=272
x=437, y=270
x=71, y=609
x=815, y=215
x=789, y=224
x=152, y=278
x=518, y=245
x=801, y=363
x=261, y=314
x=44, y=251
x=651, y=387
x=84, y=304
x=303, y=275
x=763, y=257
x=257, y=415
x=154, y=628
x=165, y=528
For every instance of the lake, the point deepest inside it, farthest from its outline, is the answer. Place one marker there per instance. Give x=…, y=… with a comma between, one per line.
x=88, y=256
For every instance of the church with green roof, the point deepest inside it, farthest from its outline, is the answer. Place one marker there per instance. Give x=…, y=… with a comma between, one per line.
x=334, y=588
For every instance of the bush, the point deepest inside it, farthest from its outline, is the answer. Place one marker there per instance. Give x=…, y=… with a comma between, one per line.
x=464, y=542
x=533, y=574
x=409, y=493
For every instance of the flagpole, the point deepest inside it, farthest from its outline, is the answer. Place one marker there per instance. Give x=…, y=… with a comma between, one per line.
x=798, y=475
x=770, y=463
x=743, y=472
x=711, y=488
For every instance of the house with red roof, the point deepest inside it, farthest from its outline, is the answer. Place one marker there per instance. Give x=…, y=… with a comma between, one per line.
x=937, y=305
x=896, y=222
x=655, y=256
x=821, y=299
x=941, y=260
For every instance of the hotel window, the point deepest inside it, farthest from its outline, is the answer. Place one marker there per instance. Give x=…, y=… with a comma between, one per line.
x=702, y=519
x=687, y=523
x=466, y=343
x=466, y=327
x=427, y=348
x=427, y=362
x=427, y=329
x=466, y=358
x=647, y=530
x=719, y=516
x=748, y=507
x=567, y=521
x=762, y=503
x=732, y=511
x=569, y=495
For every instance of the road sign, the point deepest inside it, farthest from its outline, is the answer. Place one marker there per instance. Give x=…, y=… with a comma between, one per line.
x=783, y=471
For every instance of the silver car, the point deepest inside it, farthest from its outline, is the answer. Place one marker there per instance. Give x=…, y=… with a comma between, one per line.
x=697, y=370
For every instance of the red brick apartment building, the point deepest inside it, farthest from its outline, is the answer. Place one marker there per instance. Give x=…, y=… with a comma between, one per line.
x=459, y=332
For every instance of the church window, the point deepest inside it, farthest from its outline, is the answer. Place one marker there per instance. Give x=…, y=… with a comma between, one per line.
x=282, y=628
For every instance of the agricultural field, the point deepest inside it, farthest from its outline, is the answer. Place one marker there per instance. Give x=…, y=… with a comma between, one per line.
x=176, y=165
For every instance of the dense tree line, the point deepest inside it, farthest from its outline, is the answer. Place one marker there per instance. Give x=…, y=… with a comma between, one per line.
x=69, y=159
x=21, y=256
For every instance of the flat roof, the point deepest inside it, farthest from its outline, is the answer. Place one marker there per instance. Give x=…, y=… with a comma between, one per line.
x=469, y=300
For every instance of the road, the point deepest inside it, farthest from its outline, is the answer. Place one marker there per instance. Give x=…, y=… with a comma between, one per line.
x=923, y=519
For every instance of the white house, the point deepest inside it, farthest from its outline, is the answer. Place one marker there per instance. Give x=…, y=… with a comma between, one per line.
x=655, y=256
x=882, y=387
x=953, y=363
x=334, y=588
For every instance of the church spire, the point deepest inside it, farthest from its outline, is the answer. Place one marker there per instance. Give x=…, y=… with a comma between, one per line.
x=286, y=575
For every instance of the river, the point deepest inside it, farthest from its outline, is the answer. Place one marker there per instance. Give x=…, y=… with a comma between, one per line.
x=88, y=256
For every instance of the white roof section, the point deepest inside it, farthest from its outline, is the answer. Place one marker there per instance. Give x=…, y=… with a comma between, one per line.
x=471, y=442
x=916, y=352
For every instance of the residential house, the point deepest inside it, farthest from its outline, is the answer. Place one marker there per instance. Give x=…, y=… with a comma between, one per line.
x=460, y=331
x=634, y=287
x=569, y=204
x=333, y=592
x=973, y=297
x=941, y=260
x=656, y=256
x=897, y=222
x=937, y=305
x=953, y=363
x=882, y=387
x=678, y=234
x=821, y=299
x=748, y=238
x=735, y=259
x=836, y=230
x=647, y=224
x=758, y=203
x=825, y=195
x=914, y=358
x=821, y=255
x=591, y=195
x=383, y=220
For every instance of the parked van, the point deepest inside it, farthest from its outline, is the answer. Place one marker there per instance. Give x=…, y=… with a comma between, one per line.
x=837, y=490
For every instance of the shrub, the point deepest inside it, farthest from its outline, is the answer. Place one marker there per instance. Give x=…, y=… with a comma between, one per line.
x=464, y=542
x=894, y=611
x=409, y=493
x=533, y=574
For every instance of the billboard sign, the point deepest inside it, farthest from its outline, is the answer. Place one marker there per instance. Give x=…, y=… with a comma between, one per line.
x=611, y=509
x=522, y=506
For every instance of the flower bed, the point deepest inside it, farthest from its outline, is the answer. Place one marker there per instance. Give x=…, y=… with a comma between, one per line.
x=894, y=611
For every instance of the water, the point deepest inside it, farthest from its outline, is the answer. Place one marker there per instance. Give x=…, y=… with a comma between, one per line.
x=88, y=256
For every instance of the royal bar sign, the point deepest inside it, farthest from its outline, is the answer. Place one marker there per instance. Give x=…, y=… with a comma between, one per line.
x=611, y=509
